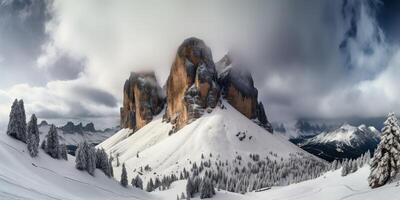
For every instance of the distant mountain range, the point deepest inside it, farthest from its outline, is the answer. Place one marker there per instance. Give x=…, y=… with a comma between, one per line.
x=71, y=134
x=347, y=141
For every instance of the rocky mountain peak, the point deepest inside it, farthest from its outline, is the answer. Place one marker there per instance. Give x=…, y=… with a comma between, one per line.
x=70, y=127
x=193, y=86
x=192, y=83
x=142, y=99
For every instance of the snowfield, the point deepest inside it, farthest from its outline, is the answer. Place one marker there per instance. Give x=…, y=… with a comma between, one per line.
x=23, y=177
x=26, y=178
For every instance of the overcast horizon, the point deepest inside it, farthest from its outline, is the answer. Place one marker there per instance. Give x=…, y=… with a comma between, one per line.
x=314, y=59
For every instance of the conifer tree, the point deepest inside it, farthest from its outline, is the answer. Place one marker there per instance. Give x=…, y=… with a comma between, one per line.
x=124, y=176
x=17, y=122
x=52, y=144
x=22, y=121
x=33, y=137
x=12, y=129
x=386, y=161
x=63, y=151
x=91, y=159
x=80, y=157
x=150, y=185
x=137, y=182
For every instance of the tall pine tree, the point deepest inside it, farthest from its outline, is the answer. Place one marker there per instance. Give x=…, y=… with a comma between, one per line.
x=124, y=176
x=52, y=144
x=22, y=121
x=33, y=136
x=385, y=164
x=17, y=122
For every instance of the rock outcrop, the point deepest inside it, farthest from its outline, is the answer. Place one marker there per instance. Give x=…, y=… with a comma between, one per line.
x=238, y=89
x=43, y=123
x=143, y=98
x=192, y=83
x=89, y=127
x=70, y=127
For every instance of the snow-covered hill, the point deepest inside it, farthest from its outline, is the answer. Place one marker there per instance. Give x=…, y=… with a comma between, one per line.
x=345, y=142
x=223, y=134
x=23, y=177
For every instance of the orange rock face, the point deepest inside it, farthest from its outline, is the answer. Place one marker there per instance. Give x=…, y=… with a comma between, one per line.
x=143, y=98
x=245, y=105
x=191, y=78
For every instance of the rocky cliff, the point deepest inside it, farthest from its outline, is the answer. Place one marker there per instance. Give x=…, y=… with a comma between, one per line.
x=192, y=83
x=238, y=89
x=142, y=99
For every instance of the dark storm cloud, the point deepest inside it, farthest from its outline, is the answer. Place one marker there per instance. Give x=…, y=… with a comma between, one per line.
x=76, y=111
x=22, y=37
x=97, y=96
x=22, y=29
x=388, y=15
x=65, y=68
x=22, y=32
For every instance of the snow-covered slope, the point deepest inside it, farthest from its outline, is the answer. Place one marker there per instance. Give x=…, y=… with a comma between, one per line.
x=345, y=142
x=330, y=186
x=23, y=177
x=223, y=134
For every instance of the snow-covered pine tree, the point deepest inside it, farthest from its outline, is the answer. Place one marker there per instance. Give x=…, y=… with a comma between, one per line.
x=63, y=151
x=85, y=158
x=91, y=159
x=386, y=161
x=137, y=182
x=12, y=129
x=17, y=122
x=354, y=166
x=124, y=176
x=80, y=157
x=52, y=144
x=33, y=136
x=150, y=185
x=206, y=188
x=22, y=121
x=102, y=162
x=189, y=188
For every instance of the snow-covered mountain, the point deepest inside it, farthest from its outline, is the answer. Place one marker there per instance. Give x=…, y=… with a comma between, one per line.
x=301, y=129
x=222, y=135
x=211, y=118
x=345, y=142
x=72, y=135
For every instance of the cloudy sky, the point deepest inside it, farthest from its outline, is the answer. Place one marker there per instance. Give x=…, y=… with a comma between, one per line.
x=309, y=58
